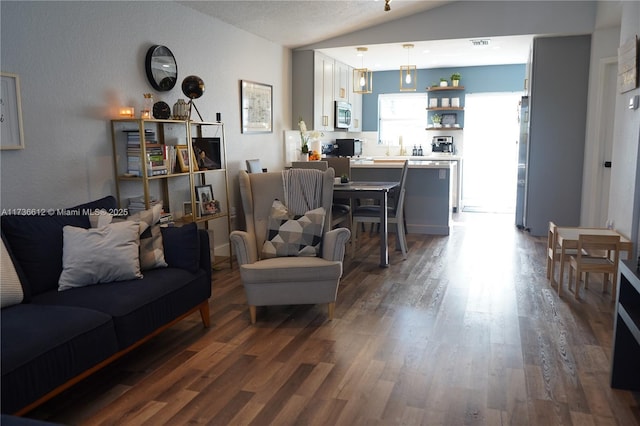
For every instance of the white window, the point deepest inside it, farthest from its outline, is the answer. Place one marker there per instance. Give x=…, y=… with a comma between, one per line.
x=402, y=114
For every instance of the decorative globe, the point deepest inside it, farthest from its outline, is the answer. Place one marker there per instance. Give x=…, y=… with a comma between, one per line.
x=193, y=87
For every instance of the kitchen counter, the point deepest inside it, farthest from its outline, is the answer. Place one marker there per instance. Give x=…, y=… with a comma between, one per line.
x=435, y=161
x=431, y=161
x=428, y=196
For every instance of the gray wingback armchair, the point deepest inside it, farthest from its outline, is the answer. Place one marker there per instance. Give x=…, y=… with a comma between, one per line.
x=285, y=280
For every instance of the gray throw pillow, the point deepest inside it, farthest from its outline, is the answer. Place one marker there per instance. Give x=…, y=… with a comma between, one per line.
x=100, y=255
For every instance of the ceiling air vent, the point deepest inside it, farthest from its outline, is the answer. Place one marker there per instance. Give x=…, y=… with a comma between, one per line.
x=480, y=42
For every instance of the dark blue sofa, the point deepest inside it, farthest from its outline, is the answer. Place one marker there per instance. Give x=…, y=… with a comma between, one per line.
x=54, y=339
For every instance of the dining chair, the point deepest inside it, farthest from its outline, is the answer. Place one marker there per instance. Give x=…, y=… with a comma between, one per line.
x=395, y=215
x=341, y=165
x=318, y=165
x=253, y=166
x=341, y=209
x=607, y=265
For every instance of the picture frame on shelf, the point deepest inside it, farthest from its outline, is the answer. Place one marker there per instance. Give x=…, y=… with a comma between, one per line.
x=210, y=207
x=12, y=134
x=204, y=194
x=449, y=119
x=207, y=151
x=256, y=103
x=186, y=209
x=182, y=152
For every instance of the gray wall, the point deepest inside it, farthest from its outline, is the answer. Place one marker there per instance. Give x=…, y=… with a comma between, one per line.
x=624, y=196
x=79, y=61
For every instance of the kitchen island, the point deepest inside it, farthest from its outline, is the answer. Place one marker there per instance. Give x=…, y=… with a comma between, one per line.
x=430, y=189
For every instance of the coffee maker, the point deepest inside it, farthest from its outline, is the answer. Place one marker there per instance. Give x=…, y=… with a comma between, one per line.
x=442, y=144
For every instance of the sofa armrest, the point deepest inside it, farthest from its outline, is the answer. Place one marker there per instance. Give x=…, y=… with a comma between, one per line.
x=333, y=245
x=244, y=246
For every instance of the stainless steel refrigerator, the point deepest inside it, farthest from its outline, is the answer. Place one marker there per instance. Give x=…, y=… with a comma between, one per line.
x=523, y=148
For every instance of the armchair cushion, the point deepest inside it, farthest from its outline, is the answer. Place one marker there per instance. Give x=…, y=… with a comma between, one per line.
x=293, y=236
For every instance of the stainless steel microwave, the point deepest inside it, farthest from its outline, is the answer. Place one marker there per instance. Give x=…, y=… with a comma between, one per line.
x=343, y=115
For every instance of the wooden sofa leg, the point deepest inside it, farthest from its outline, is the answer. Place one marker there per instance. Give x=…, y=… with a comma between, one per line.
x=332, y=308
x=204, y=314
x=252, y=313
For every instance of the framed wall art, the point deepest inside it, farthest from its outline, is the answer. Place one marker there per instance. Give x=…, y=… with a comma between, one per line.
x=628, y=64
x=256, y=103
x=11, y=136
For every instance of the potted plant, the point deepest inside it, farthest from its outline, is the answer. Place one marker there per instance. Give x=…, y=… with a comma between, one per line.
x=437, y=120
x=444, y=82
x=455, y=79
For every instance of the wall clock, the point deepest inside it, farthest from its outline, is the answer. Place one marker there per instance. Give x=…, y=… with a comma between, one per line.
x=161, y=110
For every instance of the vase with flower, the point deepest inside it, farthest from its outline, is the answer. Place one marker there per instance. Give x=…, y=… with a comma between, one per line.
x=306, y=137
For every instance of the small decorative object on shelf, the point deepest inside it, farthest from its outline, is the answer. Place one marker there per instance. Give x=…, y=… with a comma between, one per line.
x=180, y=110
x=147, y=105
x=444, y=82
x=161, y=110
x=127, y=112
x=437, y=120
x=455, y=79
x=193, y=88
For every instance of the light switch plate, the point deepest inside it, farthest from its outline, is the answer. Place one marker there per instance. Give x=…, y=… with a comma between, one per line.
x=633, y=102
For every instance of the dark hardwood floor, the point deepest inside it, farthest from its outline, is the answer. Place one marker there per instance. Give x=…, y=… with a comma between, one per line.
x=466, y=330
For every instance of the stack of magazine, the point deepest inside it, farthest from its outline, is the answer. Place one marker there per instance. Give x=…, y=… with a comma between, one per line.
x=136, y=204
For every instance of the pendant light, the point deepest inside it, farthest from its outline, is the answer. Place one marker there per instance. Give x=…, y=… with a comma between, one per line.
x=362, y=77
x=408, y=74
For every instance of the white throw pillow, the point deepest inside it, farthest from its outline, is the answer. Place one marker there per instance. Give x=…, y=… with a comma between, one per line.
x=10, y=288
x=100, y=255
x=100, y=218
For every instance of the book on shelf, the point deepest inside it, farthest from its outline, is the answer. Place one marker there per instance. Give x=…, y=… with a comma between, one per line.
x=170, y=157
x=150, y=173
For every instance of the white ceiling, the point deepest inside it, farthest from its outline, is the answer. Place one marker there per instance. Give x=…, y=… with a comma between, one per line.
x=295, y=23
x=437, y=53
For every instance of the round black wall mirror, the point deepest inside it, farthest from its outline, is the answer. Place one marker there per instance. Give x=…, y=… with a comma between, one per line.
x=162, y=69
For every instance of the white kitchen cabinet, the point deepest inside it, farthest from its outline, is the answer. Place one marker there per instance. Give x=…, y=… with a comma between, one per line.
x=356, y=112
x=342, y=86
x=313, y=90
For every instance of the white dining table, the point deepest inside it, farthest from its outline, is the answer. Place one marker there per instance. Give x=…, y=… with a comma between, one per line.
x=568, y=239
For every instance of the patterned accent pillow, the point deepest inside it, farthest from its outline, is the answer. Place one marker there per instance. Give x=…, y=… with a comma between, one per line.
x=151, y=247
x=293, y=236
